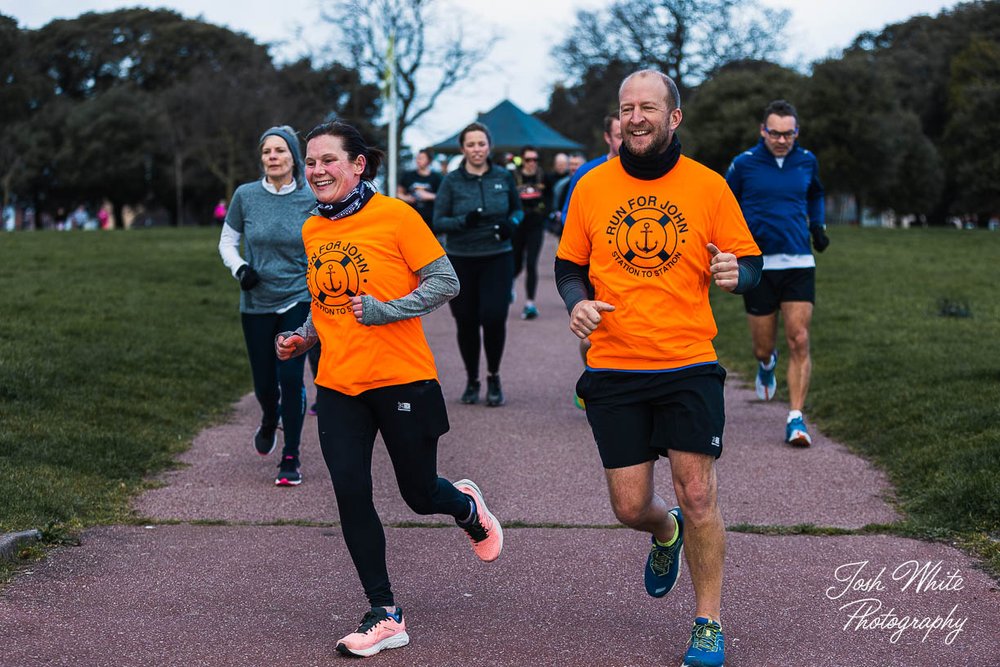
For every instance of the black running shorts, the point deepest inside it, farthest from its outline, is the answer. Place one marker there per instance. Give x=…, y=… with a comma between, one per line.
x=638, y=416
x=776, y=287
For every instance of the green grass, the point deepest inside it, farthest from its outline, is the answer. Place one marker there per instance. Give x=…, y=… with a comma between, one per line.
x=116, y=348
x=913, y=390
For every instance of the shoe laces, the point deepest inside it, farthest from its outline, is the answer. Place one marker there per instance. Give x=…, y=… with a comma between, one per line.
x=662, y=559
x=371, y=619
x=476, y=530
x=289, y=464
x=705, y=637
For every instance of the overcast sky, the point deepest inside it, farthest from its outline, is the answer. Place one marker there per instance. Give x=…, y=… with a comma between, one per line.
x=522, y=68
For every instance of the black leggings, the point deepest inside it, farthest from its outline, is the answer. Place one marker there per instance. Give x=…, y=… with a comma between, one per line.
x=278, y=385
x=482, y=303
x=527, y=241
x=347, y=428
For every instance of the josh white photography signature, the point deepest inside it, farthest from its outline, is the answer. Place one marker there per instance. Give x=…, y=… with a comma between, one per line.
x=860, y=589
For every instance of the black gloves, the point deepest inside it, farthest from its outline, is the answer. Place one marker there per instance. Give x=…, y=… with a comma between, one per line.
x=820, y=239
x=503, y=230
x=248, y=277
x=502, y=227
x=472, y=218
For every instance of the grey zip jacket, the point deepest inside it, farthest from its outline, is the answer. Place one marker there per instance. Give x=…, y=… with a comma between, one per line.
x=494, y=194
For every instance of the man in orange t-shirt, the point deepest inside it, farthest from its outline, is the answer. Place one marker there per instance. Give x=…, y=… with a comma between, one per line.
x=649, y=232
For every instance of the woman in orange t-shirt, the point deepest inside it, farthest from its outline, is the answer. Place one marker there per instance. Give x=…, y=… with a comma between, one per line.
x=374, y=268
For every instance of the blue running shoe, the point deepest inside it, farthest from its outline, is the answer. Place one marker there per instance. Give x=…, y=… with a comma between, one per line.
x=796, y=433
x=663, y=567
x=766, y=383
x=707, y=647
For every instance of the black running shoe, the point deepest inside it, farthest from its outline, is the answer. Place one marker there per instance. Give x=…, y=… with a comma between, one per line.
x=288, y=472
x=265, y=439
x=494, y=394
x=471, y=394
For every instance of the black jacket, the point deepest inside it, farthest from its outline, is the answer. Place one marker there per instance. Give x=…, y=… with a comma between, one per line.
x=494, y=194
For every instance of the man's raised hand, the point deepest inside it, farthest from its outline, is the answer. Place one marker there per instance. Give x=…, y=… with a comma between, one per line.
x=586, y=316
x=724, y=267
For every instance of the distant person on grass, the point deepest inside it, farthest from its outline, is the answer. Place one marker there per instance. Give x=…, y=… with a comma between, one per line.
x=374, y=269
x=267, y=216
x=777, y=185
x=651, y=231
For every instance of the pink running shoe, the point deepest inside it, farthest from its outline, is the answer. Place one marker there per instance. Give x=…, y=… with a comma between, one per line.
x=378, y=630
x=484, y=531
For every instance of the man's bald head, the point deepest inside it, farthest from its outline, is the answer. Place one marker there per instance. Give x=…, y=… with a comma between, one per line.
x=670, y=92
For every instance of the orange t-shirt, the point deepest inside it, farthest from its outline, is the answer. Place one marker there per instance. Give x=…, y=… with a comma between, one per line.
x=645, y=244
x=375, y=251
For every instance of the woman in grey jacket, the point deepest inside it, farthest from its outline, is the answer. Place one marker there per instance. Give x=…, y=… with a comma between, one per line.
x=267, y=216
x=478, y=208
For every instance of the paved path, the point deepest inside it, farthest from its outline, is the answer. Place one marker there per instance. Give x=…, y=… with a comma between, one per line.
x=567, y=590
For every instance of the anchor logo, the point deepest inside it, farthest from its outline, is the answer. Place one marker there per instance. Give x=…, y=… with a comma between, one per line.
x=646, y=238
x=333, y=278
x=331, y=286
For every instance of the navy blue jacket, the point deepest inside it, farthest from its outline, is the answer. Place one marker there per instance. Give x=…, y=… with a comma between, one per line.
x=781, y=204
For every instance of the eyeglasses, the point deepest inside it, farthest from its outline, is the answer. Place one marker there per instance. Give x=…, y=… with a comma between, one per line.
x=530, y=159
x=787, y=136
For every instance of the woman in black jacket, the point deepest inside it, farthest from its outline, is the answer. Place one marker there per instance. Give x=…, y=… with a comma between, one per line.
x=478, y=208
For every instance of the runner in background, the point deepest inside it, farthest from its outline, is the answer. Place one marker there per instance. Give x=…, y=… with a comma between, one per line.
x=528, y=236
x=267, y=216
x=777, y=185
x=478, y=210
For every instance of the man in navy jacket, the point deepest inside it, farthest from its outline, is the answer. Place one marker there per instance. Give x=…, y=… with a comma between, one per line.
x=777, y=185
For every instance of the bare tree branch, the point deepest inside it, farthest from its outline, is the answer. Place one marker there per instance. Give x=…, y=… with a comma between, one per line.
x=686, y=39
x=428, y=62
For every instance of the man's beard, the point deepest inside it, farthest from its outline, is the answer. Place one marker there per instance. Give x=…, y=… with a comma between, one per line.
x=659, y=141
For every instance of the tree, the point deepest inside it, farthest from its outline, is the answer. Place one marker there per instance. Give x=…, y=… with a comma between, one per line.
x=427, y=64
x=578, y=111
x=853, y=120
x=724, y=113
x=151, y=49
x=917, y=61
x=974, y=127
x=312, y=94
x=108, y=148
x=914, y=180
x=136, y=58
x=916, y=55
x=686, y=39
x=20, y=89
x=206, y=94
